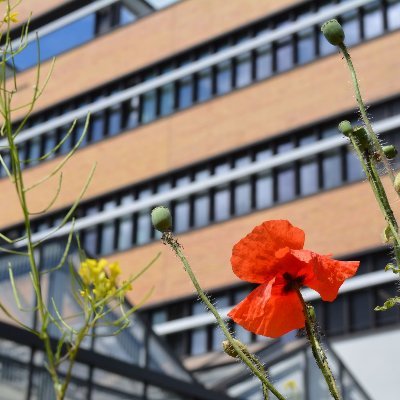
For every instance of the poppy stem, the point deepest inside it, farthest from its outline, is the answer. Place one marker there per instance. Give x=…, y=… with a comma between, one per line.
x=317, y=350
x=249, y=359
x=379, y=192
x=363, y=111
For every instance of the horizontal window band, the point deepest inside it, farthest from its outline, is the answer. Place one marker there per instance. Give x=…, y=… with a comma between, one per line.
x=187, y=70
x=213, y=181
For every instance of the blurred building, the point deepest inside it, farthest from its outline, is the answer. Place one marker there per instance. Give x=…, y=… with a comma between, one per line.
x=227, y=112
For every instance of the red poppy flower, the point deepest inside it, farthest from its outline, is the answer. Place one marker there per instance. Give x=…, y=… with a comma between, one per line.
x=273, y=256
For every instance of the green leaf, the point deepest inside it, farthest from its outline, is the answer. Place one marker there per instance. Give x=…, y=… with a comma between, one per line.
x=389, y=303
x=394, y=268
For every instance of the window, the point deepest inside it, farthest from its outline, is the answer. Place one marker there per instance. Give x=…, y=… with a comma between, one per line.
x=308, y=169
x=181, y=209
x=108, y=231
x=305, y=46
x=224, y=77
x=373, y=20
x=351, y=25
x=167, y=96
x=242, y=189
x=222, y=198
x=131, y=108
x=243, y=69
x=90, y=234
x=201, y=202
x=393, y=14
x=96, y=127
x=125, y=232
x=149, y=100
x=114, y=120
x=143, y=226
x=264, y=62
x=285, y=176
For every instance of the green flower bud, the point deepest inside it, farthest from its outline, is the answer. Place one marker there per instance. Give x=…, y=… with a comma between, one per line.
x=345, y=128
x=333, y=32
x=362, y=137
x=390, y=151
x=397, y=183
x=161, y=218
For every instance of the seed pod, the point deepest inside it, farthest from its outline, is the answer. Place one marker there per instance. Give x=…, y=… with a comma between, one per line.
x=390, y=151
x=161, y=219
x=345, y=127
x=333, y=32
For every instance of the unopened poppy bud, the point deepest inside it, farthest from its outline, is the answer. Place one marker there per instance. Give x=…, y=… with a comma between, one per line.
x=397, y=183
x=161, y=218
x=362, y=137
x=345, y=128
x=229, y=349
x=333, y=32
x=390, y=151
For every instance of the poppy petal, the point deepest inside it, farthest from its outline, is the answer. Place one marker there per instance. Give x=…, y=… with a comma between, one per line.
x=329, y=275
x=268, y=312
x=253, y=258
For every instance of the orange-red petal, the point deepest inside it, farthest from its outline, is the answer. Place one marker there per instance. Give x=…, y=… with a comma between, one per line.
x=253, y=258
x=268, y=312
x=329, y=275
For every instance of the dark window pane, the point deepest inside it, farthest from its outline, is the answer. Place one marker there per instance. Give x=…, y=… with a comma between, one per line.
x=114, y=120
x=198, y=343
x=181, y=215
x=34, y=150
x=149, y=106
x=305, y=46
x=185, y=94
x=97, y=127
x=373, y=20
x=335, y=314
x=90, y=234
x=393, y=14
x=331, y=169
x=125, y=234
x=360, y=310
x=202, y=209
x=167, y=99
x=285, y=183
x=224, y=77
x=264, y=62
x=391, y=316
x=264, y=190
x=308, y=176
x=242, y=196
x=204, y=85
x=222, y=203
x=354, y=169
x=284, y=55
x=143, y=227
x=243, y=70
x=133, y=113
x=351, y=26
x=108, y=231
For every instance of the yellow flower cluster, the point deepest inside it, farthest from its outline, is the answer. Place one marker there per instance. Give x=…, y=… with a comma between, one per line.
x=11, y=16
x=100, y=278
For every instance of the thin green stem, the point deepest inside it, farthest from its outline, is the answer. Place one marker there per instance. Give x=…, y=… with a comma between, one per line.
x=318, y=351
x=380, y=194
x=169, y=239
x=363, y=112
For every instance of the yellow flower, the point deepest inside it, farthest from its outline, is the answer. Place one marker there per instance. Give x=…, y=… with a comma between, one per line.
x=11, y=17
x=100, y=278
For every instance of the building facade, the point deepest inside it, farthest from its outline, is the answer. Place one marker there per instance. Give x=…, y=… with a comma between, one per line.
x=226, y=112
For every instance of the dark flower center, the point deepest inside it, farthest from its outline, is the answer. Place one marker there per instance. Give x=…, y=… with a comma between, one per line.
x=292, y=283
